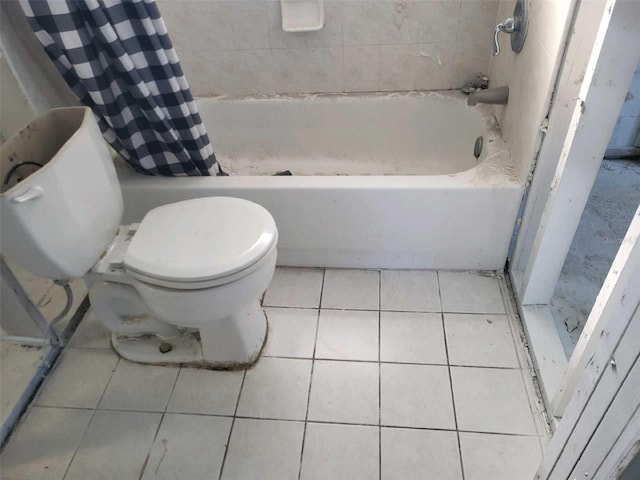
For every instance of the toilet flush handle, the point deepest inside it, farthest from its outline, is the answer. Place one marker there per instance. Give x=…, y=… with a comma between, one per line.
x=31, y=194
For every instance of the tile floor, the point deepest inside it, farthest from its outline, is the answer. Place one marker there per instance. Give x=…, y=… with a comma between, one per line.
x=365, y=375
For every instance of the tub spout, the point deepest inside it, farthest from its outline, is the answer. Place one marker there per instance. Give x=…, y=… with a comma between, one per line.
x=494, y=96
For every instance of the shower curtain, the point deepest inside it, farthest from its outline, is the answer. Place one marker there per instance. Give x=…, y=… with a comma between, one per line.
x=117, y=58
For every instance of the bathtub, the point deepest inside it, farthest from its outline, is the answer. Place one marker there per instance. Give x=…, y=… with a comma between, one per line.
x=379, y=180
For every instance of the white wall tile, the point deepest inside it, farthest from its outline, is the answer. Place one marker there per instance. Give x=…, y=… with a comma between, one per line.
x=331, y=33
x=435, y=63
x=235, y=72
x=478, y=19
x=438, y=21
x=308, y=70
x=250, y=24
x=397, y=67
x=400, y=23
x=278, y=38
x=361, y=68
x=471, y=58
x=530, y=76
x=365, y=45
x=361, y=24
x=197, y=25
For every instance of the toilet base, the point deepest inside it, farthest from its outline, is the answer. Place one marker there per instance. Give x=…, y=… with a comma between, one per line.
x=228, y=344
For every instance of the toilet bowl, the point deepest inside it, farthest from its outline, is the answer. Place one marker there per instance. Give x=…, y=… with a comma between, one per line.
x=181, y=287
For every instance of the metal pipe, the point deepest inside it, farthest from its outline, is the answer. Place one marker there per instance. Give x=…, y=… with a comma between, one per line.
x=22, y=340
x=41, y=373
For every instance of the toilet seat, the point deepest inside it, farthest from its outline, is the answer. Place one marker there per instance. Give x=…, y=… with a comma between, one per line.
x=200, y=243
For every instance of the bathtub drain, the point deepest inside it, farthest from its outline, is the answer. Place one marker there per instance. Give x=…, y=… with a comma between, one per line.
x=477, y=148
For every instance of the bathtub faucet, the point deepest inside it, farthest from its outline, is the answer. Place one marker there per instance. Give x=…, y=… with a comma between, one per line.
x=494, y=96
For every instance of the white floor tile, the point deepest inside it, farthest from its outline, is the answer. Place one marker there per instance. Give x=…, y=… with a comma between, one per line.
x=136, y=386
x=91, y=334
x=264, y=449
x=78, y=379
x=43, y=445
x=205, y=392
x=417, y=454
x=295, y=287
x=345, y=392
x=340, y=452
x=480, y=340
x=412, y=337
x=499, y=457
x=416, y=396
x=276, y=388
x=115, y=445
x=188, y=447
x=470, y=292
x=292, y=332
x=18, y=364
x=354, y=289
x=491, y=400
x=409, y=291
x=347, y=335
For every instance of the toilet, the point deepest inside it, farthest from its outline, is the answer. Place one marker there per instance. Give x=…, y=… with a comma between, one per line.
x=182, y=287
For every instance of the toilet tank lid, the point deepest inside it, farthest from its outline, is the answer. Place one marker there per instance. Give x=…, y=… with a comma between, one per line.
x=201, y=239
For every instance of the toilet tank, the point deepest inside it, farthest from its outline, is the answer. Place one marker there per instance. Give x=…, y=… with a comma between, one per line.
x=58, y=219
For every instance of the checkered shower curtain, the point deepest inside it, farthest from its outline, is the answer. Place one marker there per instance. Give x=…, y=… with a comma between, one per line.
x=117, y=57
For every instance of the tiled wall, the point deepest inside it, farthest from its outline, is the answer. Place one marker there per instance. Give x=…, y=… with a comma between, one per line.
x=531, y=76
x=238, y=47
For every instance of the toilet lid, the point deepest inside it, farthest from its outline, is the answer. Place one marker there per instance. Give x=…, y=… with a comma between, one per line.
x=201, y=239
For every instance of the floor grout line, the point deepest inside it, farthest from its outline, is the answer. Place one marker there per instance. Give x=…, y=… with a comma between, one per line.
x=93, y=415
x=452, y=312
x=164, y=412
x=350, y=360
x=233, y=421
x=380, y=377
x=313, y=362
x=453, y=400
x=517, y=340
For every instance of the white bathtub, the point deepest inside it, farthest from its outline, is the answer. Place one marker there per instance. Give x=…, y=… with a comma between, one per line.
x=380, y=181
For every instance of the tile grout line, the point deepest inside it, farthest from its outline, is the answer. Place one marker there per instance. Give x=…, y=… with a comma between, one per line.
x=391, y=362
x=233, y=421
x=95, y=411
x=313, y=362
x=380, y=375
x=453, y=400
x=155, y=437
x=324, y=422
x=456, y=312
